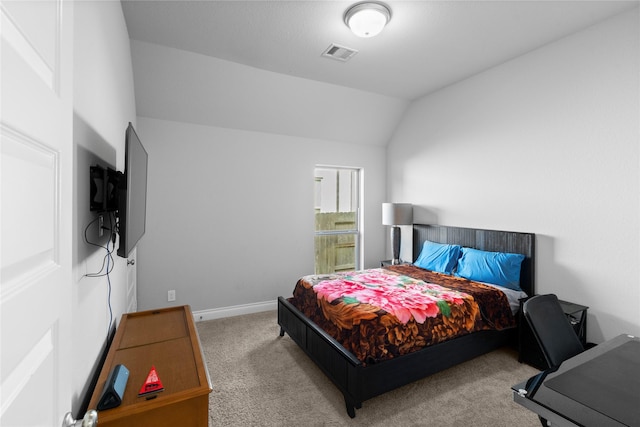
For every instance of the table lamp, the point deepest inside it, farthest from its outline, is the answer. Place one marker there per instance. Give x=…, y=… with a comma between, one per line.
x=395, y=214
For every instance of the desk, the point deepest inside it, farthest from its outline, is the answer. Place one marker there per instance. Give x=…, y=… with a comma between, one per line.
x=599, y=387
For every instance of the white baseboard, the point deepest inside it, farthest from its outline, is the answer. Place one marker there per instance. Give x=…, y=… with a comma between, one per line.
x=236, y=310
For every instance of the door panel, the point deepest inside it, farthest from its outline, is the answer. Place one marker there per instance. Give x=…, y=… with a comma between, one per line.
x=31, y=166
x=36, y=170
x=132, y=283
x=31, y=28
x=32, y=377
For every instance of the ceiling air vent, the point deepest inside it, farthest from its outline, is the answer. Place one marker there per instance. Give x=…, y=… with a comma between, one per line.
x=339, y=53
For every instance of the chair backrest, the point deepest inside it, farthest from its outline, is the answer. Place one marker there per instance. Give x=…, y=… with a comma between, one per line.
x=552, y=329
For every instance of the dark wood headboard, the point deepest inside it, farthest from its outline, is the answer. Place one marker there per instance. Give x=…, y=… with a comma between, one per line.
x=486, y=240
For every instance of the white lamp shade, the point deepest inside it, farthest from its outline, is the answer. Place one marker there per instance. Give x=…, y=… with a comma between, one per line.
x=397, y=214
x=367, y=19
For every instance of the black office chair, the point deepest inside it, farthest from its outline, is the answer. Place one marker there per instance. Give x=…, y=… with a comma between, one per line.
x=553, y=331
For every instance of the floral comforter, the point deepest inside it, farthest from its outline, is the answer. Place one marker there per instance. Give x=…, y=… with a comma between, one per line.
x=383, y=313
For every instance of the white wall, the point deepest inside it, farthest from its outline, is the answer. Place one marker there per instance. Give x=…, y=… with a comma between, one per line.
x=547, y=143
x=230, y=215
x=232, y=151
x=103, y=105
x=177, y=85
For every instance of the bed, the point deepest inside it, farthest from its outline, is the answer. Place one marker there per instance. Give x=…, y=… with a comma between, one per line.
x=360, y=375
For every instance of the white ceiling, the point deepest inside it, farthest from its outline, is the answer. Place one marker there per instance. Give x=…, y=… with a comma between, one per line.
x=426, y=46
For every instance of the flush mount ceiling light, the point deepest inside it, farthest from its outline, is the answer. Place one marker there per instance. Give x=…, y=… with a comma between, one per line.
x=367, y=19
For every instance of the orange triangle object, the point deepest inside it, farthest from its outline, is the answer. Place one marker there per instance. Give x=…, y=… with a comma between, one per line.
x=152, y=384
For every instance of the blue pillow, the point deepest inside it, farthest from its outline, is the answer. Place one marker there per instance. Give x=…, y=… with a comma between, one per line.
x=438, y=257
x=498, y=268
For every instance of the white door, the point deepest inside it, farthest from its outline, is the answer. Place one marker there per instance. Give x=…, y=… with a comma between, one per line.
x=132, y=282
x=36, y=172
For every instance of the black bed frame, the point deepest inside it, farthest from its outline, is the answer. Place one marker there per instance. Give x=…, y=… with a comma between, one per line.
x=359, y=383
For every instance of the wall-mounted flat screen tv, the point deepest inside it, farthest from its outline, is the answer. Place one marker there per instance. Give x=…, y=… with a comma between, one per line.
x=132, y=194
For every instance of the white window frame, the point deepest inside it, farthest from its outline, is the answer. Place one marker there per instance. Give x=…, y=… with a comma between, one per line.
x=357, y=187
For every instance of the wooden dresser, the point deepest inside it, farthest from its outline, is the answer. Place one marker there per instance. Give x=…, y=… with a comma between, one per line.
x=167, y=339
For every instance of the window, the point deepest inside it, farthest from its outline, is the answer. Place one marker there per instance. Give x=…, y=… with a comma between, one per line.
x=337, y=211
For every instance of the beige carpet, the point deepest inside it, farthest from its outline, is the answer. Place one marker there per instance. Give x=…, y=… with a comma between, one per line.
x=261, y=379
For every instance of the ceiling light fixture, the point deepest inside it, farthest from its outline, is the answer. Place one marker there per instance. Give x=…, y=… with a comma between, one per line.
x=367, y=19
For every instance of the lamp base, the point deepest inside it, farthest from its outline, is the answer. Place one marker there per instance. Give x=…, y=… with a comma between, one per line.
x=395, y=245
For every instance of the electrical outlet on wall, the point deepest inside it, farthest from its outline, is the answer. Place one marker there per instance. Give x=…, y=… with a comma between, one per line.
x=100, y=225
x=171, y=295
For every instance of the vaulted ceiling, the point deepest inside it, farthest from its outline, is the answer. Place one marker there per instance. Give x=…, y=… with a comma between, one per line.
x=427, y=45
